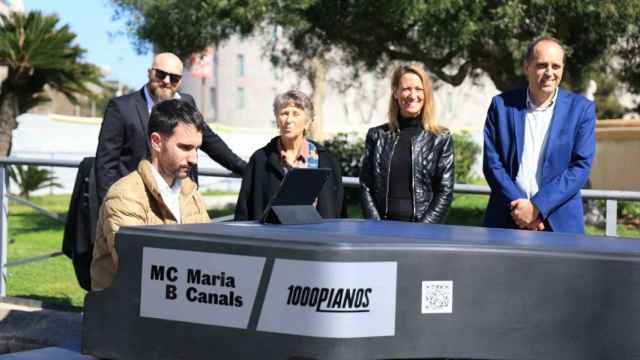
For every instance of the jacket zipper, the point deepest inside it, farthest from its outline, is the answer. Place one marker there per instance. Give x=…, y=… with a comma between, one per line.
x=386, y=198
x=413, y=179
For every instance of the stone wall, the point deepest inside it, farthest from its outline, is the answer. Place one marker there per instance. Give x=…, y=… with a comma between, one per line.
x=617, y=162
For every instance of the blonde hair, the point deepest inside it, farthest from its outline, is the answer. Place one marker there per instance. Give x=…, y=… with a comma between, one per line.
x=428, y=113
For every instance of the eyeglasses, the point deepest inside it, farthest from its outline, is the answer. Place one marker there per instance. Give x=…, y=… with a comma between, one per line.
x=160, y=75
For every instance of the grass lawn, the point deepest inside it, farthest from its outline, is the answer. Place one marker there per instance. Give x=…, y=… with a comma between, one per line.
x=218, y=193
x=53, y=281
x=32, y=234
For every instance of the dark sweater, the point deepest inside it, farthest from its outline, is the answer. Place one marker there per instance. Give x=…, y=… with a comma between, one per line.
x=400, y=191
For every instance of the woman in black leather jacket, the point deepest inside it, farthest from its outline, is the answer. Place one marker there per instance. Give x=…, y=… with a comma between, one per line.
x=407, y=170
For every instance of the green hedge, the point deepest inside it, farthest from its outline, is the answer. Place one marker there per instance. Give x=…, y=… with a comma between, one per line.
x=465, y=154
x=348, y=150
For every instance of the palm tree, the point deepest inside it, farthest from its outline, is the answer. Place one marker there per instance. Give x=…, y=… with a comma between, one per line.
x=37, y=53
x=31, y=178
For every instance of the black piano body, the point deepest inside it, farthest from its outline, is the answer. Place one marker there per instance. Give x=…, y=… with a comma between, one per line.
x=356, y=289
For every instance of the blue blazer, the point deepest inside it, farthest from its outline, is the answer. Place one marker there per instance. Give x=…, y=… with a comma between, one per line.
x=565, y=164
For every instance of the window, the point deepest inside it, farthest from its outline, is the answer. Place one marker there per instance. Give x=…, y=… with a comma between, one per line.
x=240, y=98
x=241, y=65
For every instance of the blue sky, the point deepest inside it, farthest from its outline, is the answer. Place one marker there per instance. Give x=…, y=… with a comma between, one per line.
x=91, y=21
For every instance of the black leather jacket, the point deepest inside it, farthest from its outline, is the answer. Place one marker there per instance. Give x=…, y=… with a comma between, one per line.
x=433, y=174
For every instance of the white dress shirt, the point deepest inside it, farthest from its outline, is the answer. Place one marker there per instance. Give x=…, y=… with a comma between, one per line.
x=170, y=195
x=149, y=99
x=536, y=130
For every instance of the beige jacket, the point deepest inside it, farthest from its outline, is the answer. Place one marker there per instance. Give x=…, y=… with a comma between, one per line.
x=135, y=200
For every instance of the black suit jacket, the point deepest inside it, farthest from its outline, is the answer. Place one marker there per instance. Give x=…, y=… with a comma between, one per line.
x=123, y=141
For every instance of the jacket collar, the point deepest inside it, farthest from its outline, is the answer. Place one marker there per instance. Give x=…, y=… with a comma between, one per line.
x=273, y=154
x=145, y=171
x=531, y=106
x=141, y=107
x=143, y=114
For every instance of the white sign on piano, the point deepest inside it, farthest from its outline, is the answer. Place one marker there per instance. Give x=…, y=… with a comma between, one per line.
x=331, y=299
x=199, y=287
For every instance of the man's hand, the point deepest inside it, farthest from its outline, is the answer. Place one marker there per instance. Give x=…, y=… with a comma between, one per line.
x=526, y=215
x=536, y=225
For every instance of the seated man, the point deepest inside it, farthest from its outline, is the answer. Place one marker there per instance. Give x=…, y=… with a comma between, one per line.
x=159, y=191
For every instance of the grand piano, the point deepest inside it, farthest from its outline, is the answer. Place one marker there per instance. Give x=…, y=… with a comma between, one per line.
x=358, y=289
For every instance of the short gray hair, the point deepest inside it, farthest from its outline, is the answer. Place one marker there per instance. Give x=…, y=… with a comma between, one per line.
x=297, y=98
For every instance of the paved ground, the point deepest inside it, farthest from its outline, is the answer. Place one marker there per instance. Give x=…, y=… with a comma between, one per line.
x=48, y=353
x=28, y=327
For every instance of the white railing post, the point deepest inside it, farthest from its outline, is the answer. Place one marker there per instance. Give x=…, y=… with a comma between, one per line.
x=611, y=218
x=4, y=225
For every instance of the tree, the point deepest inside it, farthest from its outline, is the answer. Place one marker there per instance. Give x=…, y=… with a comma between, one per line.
x=188, y=26
x=455, y=39
x=314, y=66
x=629, y=52
x=185, y=27
x=37, y=53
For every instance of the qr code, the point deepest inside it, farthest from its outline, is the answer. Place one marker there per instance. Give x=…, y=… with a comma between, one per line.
x=437, y=297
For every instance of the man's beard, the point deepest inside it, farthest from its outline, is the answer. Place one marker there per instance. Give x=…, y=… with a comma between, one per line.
x=161, y=94
x=183, y=169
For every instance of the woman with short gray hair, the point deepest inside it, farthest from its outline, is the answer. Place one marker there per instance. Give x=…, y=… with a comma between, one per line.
x=298, y=99
x=294, y=113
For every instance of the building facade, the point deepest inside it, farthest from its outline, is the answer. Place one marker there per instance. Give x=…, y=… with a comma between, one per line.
x=244, y=83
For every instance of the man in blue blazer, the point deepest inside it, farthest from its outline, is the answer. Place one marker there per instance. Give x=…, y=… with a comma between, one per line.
x=539, y=144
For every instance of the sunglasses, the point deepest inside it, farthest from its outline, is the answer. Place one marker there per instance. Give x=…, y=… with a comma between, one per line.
x=160, y=75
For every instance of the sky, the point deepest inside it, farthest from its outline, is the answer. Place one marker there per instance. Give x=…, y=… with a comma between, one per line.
x=105, y=40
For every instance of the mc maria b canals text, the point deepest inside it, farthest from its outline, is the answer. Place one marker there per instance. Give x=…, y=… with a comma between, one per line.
x=334, y=300
x=196, y=278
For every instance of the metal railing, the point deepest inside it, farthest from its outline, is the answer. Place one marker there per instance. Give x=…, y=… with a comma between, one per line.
x=610, y=196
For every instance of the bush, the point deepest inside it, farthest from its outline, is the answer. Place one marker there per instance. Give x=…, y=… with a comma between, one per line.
x=348, y=150
x=465, y=153
x=629, y=211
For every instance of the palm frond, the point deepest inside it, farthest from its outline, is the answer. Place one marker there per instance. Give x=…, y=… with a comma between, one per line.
x=31, y=178
x=39, y=52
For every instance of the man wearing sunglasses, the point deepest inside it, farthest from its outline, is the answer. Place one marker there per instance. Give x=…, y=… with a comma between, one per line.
x=123, y=142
